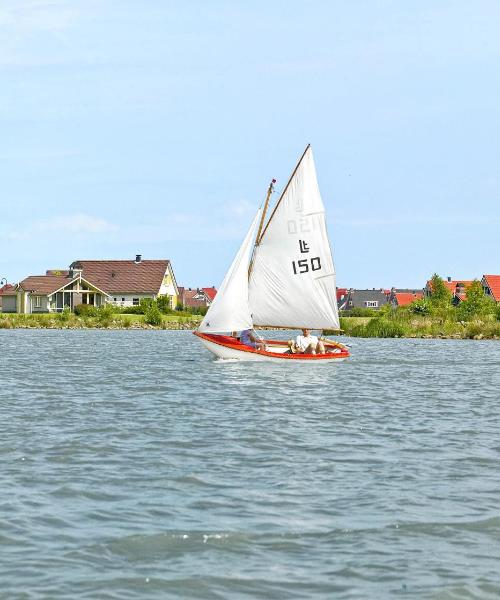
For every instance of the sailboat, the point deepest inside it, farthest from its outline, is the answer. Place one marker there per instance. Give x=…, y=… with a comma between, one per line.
x=282, y=277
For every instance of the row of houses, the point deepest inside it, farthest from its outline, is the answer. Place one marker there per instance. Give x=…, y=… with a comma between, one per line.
x=349, y=298
x=127, y=282
x=98, y=282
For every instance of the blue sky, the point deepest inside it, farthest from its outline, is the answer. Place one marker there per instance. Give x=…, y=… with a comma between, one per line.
x=154, y=127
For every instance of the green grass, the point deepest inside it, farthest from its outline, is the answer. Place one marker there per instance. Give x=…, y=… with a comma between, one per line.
x=403, y=323
x=103, y=321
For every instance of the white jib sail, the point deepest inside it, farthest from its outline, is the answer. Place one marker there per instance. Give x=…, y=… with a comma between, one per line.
x=230, y=311
x=292, y=283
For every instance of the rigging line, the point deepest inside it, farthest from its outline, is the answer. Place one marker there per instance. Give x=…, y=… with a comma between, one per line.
x=284, y=191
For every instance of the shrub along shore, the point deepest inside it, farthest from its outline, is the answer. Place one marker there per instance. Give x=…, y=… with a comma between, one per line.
x=150, y=315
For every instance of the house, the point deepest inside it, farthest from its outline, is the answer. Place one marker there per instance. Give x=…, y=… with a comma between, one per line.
x=457, y=287
x=94, y=282
x=53, y=292
x=198, y=298
x=491, y=286
x=403, y=297
x=4, y=290
x=374, y=298
x=127, y=282
x=341, y=297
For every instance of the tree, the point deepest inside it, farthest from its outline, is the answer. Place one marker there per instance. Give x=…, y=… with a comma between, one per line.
x=440, y=294
x=476, y=302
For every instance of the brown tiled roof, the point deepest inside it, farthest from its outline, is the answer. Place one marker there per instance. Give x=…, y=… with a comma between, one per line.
x=188, y=298
x=44, y=284
x=124, y=276
x=7, y=289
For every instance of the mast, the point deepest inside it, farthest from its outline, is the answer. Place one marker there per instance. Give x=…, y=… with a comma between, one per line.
x=264, y=210
x=284, y=191
x=261, y=224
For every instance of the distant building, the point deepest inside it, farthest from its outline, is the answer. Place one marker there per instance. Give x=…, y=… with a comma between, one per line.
x=196, y=298
x=457, y=287
x=403, y=297
x=341, y=297
x=6, y=290
x=491, y=286
x=374, y=298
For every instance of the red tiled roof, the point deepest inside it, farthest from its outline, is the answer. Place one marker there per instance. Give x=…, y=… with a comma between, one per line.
x=493, y=282
x=405, y=298
x=341, y=292
x=211, y=292
x=124, y=276
x=452, y=285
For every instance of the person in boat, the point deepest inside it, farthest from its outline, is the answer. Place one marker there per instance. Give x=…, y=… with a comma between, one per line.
x=250, y=338
x=306, y=344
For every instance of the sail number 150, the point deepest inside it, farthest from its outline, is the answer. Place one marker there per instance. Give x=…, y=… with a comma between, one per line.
x=305, y=265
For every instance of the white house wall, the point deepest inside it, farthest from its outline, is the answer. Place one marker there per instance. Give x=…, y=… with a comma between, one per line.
x=127, y=299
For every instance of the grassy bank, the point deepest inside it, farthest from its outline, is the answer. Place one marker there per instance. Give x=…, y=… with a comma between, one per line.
x=105, y=320
x=402, y=323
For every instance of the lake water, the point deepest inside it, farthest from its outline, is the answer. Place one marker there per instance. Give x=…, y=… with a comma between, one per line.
x=135, y=466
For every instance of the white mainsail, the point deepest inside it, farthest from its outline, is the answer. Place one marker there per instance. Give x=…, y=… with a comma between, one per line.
x=230, y=311
x=292, y=281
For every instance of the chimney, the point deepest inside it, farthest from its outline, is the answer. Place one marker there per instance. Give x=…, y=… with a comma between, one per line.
x=138, y=258
x=449, y=279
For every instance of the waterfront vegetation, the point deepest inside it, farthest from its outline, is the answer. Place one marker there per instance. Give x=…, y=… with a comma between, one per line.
x=476, y=317
x=436, y=316
x=106, y=317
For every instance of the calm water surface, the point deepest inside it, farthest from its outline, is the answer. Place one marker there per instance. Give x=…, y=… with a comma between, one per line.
x=134, y=466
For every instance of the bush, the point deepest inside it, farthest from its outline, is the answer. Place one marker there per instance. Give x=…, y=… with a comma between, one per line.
x=379, y=328
x=130, y=310
x=105, y=314
x=420, y=307
x=65, y=315
x=164, y=304
x=85, y=310
x=359, y=312
x=152, y=315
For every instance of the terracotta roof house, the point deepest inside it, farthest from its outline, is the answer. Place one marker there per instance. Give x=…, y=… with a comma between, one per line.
x=491, y=285
x=211, y=292
x=198, y=298
x=127, y=282
x=95, y=282
x=374, y=298
x=341, y=297
x=403, y=297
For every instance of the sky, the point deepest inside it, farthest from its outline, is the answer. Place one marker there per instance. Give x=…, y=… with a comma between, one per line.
x=155, y=127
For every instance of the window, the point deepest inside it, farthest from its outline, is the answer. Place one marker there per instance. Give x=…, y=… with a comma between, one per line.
x=371, y=304
x=38, y=302
x=123, y=299
x=115, y=299
x=135, y=301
